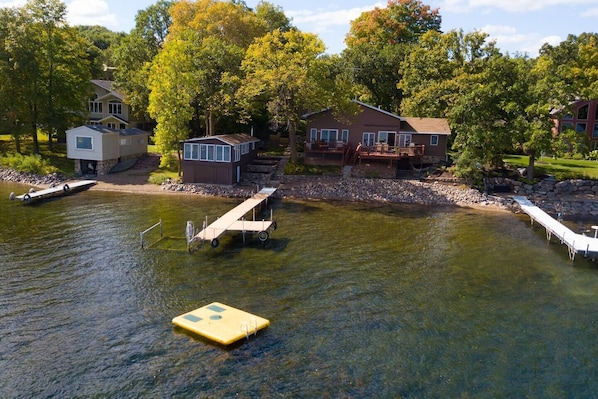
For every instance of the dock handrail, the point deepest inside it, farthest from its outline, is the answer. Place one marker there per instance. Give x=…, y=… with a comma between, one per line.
x=144, y=232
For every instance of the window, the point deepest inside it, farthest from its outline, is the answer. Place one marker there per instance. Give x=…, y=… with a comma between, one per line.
x=237, y=153
x=368, y=139
x=595, y=131
x=126, y=141
x=313, y=135
x=582, y=112
x=387, y=137
x=212, y=153
x=568, y=116
x=115, y=108
x=111, y=125
x=566, y=126
x=345, y=136
x=245, y=148
x=84, y=143
x=222, y=153
x=191, y=151
x=95, y=107
x=434, y=139
x=329, y=135
x=580, y=127
x=404, y=140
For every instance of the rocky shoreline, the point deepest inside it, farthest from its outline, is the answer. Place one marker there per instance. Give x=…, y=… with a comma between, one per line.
x=323, y=187
x=571, y=200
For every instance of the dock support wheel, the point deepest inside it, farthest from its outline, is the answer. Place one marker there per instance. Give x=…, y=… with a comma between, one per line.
x=214, y=243
x=26, y=197
x=66, y=188
x=263, y=236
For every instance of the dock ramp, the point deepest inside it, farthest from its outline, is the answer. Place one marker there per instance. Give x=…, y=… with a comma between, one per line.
x=575, y=242
x=234, y=220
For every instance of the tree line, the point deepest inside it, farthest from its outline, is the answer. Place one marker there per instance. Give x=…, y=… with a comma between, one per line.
x=213, y=66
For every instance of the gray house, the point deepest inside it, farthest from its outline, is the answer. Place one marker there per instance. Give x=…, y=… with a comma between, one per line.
x=96, y=149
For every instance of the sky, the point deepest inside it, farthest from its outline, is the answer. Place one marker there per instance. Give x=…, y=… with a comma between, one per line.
x=517, y=26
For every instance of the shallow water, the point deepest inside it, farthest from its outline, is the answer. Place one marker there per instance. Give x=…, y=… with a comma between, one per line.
x=365, y=300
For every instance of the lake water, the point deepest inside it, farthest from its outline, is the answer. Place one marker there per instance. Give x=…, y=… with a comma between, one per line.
x=364, y=300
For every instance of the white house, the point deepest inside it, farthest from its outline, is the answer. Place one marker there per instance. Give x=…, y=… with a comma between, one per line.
x=96, y=149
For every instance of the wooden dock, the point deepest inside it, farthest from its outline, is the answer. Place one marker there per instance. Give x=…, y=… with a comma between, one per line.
x=575, y=242
x=234, y=220
x=59, y=190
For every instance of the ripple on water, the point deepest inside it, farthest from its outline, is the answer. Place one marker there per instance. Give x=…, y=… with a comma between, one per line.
x=365, y=300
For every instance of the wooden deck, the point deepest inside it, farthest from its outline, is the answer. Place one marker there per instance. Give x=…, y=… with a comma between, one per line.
x=336, y=153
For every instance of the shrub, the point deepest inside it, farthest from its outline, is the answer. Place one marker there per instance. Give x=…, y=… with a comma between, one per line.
x=158, y=178
x=33, y=164
x=169, y=161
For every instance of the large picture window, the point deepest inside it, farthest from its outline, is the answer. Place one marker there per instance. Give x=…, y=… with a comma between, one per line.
x=84, y=143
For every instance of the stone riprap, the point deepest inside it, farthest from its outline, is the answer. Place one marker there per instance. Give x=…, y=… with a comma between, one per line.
x=28, y=178
x=577, y=198
x=358, y=189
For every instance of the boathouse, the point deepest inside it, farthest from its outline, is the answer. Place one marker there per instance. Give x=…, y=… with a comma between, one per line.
x=220, y=159
x=96, y=149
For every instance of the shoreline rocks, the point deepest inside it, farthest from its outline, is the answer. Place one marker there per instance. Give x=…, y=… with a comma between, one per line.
x=570, y=198
x=357, y=189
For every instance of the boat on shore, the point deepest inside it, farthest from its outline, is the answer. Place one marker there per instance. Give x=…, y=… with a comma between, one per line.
x=59, y=190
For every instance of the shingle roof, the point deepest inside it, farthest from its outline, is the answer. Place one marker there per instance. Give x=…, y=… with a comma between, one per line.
x=132, y=131
x=425, y=126
x=100, y=128
x=232, y=139
x=107, y=85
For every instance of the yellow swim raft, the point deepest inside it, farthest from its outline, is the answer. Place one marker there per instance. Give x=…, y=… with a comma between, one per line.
x=221, y=323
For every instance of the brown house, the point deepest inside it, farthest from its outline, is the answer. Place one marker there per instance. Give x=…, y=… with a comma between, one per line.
x=375, y=135
x=581, y=116
x=218, y=159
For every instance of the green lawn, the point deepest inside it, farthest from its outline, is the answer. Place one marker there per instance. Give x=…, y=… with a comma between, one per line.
x=560, y=168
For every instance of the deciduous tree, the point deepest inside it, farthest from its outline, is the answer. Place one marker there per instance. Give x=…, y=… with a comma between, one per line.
x=284, y=70
x=377, y=43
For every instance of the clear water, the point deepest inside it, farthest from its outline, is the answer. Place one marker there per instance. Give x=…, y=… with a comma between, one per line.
x=365, y=301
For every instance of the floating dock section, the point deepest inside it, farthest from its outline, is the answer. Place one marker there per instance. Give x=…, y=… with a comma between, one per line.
x=576, y=243
x=221, y=323
x=234, y=220
x=56, y=191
